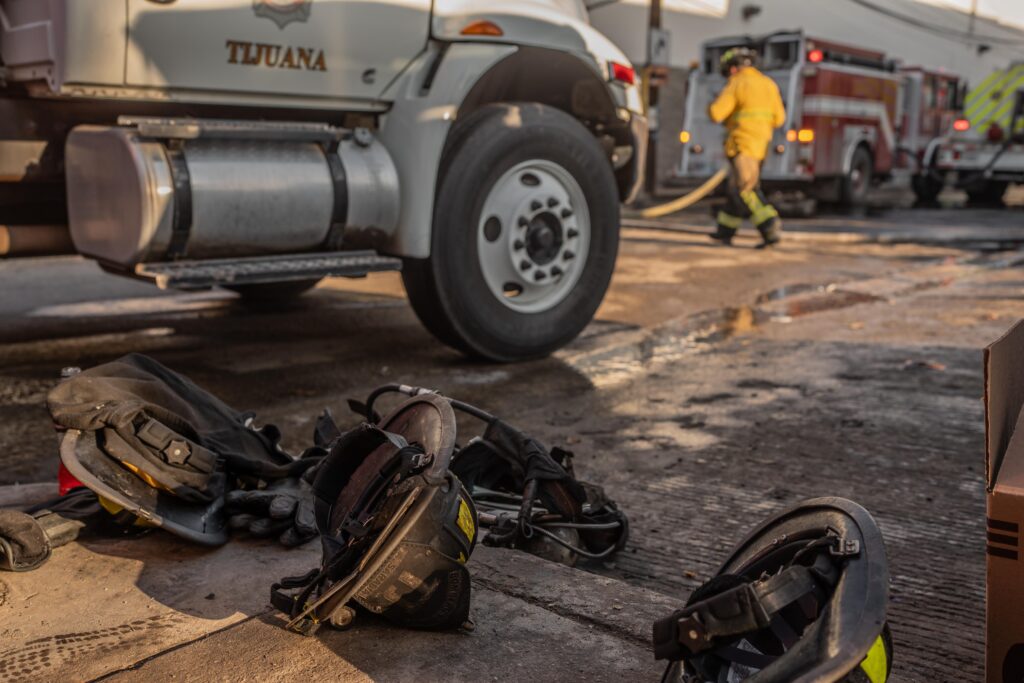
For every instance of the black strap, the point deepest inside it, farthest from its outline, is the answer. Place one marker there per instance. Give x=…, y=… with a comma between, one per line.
x=746, y=608
x=181, y=223
x=339, y=213
x=288, y=602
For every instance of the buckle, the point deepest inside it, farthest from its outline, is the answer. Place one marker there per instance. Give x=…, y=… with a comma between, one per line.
x=420, y=461
x=842, y=547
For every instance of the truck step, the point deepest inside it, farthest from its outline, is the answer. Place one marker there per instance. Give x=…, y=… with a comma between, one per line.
x=263, y=269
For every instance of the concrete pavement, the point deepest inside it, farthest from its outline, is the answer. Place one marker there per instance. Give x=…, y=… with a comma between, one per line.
x=716, y=386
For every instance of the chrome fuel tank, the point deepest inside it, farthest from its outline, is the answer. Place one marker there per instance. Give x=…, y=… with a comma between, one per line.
x=174, y=189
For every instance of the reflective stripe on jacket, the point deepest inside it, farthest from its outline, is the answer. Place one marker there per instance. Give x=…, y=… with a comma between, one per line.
x=751, y=108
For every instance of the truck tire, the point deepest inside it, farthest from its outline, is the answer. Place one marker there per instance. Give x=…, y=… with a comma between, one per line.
x=272, y=293
x=854, y=186
x=526, y=231
x=986, y=192
x=927, y=186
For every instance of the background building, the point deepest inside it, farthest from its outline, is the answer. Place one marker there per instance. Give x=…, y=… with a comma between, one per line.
x=916, y=33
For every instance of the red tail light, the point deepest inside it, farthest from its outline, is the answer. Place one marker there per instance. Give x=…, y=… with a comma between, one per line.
x=623, y=73
x=960, y=125
x=995, y=133
x=815, y=56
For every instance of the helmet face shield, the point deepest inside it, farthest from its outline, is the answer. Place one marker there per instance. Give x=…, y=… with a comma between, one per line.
x=803, y=598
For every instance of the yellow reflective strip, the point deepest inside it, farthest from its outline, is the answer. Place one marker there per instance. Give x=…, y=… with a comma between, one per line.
x=752, y=201
x=997, y=117
x=983, y=88
x=876, y=665
x=766, y=212
x=727, y=220
x=1004, y=106
x=1006, y=89
x=983, y=103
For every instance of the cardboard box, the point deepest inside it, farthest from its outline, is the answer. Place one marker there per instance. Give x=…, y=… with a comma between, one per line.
x=1004, y=472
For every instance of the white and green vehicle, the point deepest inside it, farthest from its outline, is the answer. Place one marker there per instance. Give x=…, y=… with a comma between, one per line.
x=985, y=153
x=481, y=146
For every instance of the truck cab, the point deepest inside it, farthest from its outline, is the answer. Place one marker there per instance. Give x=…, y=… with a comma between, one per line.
x=483, y=148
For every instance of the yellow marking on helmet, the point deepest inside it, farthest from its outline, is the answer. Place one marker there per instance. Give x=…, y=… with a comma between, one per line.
x=145, y=477
x=114, y=509
x=876, y=665
x=466, y=521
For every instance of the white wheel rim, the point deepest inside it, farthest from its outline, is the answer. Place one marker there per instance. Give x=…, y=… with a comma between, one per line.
x=533, y=236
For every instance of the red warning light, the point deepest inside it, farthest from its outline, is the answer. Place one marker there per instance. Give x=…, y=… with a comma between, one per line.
x=961, y=125
x=815, y=56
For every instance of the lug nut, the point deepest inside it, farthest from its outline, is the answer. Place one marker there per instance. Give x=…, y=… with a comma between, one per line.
x=539, y=275
x=568, y=255
x=572, y=232
x=517, y=245
x=566, y=212
x=525, y=265
x=536, y=206
x=552, y=202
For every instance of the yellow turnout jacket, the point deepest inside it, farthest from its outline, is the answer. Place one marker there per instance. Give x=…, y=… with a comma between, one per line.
x=751, y=108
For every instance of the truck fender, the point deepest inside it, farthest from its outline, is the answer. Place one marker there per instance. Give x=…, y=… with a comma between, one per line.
x=851, y=145
x=930, y=150
x=452, y=80
x=425, y=103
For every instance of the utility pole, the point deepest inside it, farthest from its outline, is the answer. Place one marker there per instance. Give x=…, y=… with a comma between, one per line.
x=649, y=92
x=974, y=14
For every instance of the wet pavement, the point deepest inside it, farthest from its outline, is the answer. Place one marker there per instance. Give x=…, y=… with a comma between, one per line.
x=716, y=386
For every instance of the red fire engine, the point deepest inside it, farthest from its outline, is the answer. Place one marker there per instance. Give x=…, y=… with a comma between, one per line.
x=850, y=116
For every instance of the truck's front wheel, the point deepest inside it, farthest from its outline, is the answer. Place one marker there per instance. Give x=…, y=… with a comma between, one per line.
x=526, y=230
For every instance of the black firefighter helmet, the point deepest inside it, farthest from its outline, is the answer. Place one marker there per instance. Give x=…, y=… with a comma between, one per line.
x=396, y=527
x=803, y=598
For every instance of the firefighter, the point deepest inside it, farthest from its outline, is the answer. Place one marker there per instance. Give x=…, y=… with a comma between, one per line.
x=751, y=108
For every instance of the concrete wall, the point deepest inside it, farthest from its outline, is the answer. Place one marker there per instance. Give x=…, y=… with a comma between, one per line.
x=840, y=20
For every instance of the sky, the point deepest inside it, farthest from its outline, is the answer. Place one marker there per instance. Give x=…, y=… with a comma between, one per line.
x=1007, y=11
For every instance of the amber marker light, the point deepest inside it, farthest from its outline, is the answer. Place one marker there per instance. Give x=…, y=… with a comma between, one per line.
x=482, y=28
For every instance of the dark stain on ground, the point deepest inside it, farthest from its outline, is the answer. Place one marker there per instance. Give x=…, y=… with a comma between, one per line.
x=829, y=301
x=711, y=398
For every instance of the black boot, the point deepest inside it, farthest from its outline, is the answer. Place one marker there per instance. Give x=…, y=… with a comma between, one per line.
x=727, y=226
x=771, y=231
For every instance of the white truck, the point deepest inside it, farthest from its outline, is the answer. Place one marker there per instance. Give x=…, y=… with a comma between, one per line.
x=985, y=152
x=483, y=147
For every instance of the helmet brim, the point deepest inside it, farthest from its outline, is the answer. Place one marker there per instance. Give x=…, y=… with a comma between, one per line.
x=85, y=460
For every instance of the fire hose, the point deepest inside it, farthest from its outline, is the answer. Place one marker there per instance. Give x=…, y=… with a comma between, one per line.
x=686, y=200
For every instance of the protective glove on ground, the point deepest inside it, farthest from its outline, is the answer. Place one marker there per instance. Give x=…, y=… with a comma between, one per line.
x=283, y=509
